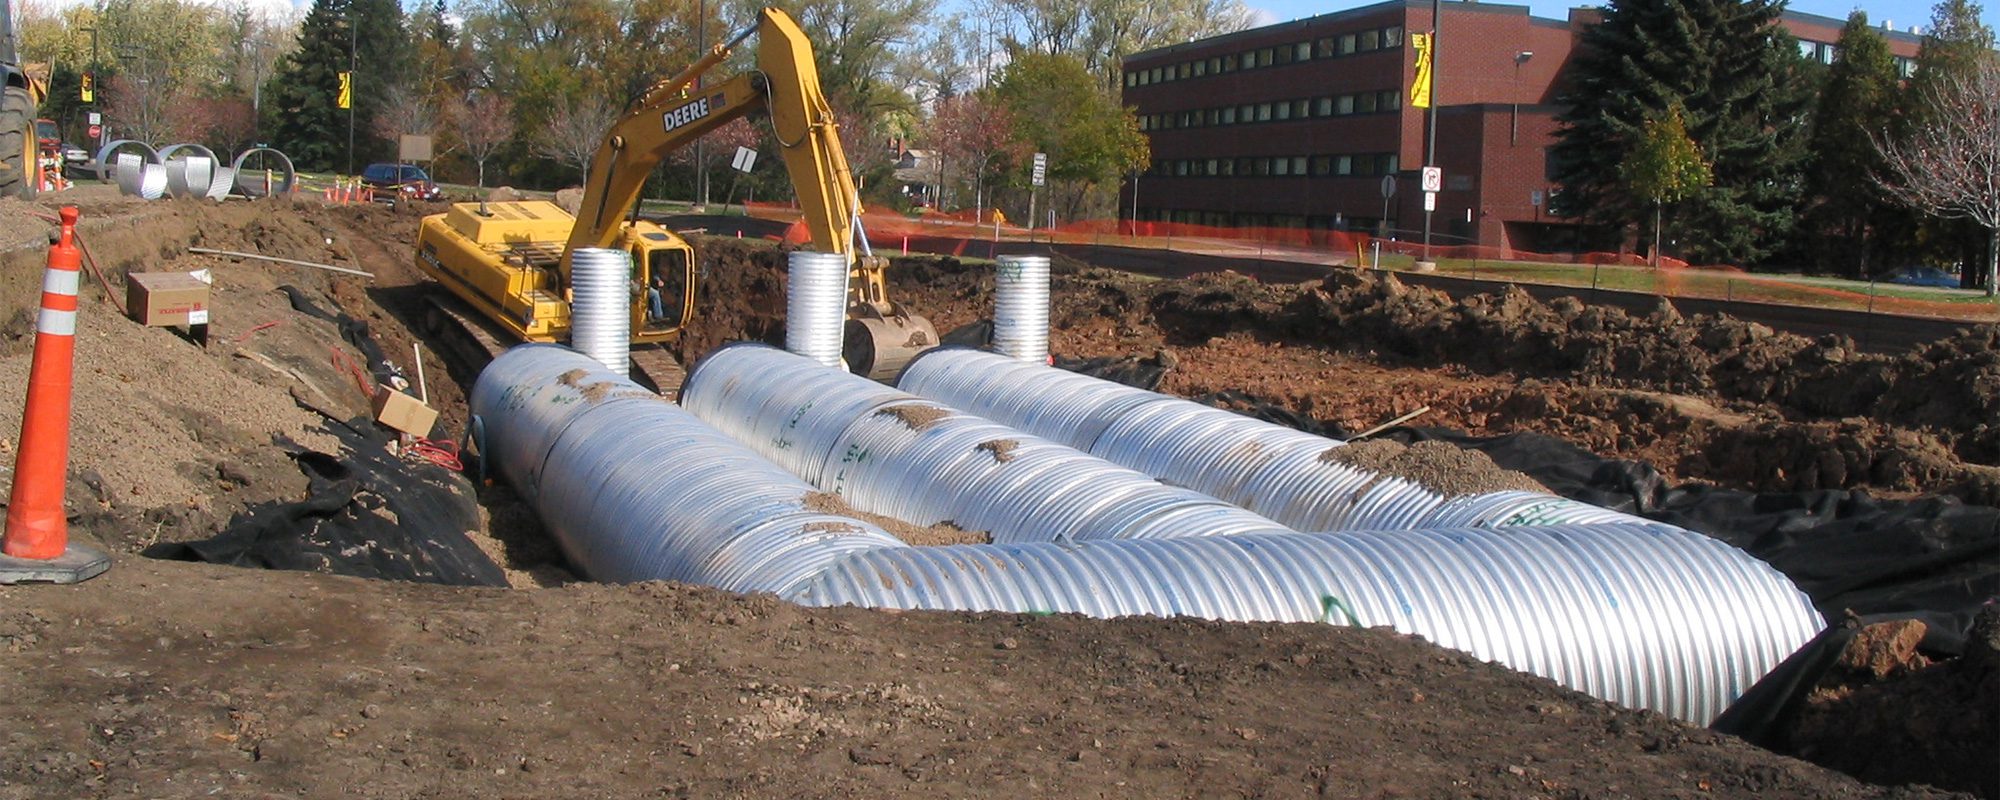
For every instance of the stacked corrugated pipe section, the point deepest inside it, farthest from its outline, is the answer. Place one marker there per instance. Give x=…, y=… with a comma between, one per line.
x=600, y=310
x=816, y=305
x=1641, y=614
x=1275, y=471
x=1021, y=308
x=634, y=488
x=886, y=452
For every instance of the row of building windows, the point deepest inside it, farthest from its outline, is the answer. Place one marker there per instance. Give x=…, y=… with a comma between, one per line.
x=1279, y=111
x=1364, y=164
x=1826, y=53
x=1230, y=219
x=1345, y=44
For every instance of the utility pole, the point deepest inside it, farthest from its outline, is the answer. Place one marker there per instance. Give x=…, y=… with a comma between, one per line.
x=1431, y=115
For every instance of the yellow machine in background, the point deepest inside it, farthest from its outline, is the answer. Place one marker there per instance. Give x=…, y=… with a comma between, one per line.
x=511, y=261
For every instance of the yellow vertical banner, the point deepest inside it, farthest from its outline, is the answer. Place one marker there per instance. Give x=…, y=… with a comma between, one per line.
x=1420, y=87
x=88, y=91
x=346, y=99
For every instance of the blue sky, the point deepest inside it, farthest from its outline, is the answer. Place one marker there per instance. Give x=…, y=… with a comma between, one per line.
x=1904, y=13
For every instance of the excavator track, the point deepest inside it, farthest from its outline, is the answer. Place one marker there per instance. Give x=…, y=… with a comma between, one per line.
x=656, y=367
x=470, y=336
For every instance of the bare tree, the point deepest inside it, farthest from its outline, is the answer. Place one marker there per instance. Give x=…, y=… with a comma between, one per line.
x=151, y=109
x=1950, y=165
x=575, y=128
x=405, y=110
x=484, y=124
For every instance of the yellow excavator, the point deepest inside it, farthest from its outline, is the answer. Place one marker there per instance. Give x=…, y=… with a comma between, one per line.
x=510, y=261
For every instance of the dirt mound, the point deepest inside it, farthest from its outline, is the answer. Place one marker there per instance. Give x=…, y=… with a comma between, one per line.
x=180, y=680
x=742, y=296
x=1887, y=716
x=1444, y=468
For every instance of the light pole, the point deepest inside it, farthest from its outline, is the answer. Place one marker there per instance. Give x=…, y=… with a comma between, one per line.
x=353, y=38
x=700, y=163
x=1431, y=116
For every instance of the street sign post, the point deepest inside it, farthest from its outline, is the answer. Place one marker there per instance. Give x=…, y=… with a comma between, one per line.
x=1388, y=191
x=1041, y=174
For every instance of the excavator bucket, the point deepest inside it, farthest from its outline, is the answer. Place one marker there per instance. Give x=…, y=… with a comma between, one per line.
x=879, y=346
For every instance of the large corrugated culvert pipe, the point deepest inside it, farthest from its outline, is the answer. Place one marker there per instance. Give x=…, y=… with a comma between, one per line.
x=1648, y=616
x=600, y=309
x=1278, y=472
x=816, y=305
x=886, y=452
x=634, y=488
x=1021, y=308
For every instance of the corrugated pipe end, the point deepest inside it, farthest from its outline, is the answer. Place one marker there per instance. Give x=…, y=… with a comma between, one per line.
x=1021, y=308
x=816, y=305
x=600, y=311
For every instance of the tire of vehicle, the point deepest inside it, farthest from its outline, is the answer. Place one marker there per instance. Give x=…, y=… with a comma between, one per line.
x=17, y=145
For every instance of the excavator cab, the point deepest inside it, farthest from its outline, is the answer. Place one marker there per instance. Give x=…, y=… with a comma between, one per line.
x=663, y=271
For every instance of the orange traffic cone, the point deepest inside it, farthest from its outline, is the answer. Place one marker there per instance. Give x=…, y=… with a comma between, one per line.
x=36, y=544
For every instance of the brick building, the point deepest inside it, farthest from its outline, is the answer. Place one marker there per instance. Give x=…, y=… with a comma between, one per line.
x=1297, y=124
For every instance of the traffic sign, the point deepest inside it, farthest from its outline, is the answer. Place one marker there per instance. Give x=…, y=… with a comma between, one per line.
x=96, y=131
x=1430, y=201
x=1388, y=186
x=1041, y=168
x=745, y=159
x=1433, y=179
x=1535, y=198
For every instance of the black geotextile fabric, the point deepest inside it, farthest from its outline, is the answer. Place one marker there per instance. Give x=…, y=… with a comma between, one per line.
x=354, y=331
x=366, y=514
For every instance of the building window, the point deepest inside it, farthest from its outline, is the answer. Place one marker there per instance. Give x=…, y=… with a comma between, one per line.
x=1229, y=63
x=1250, y=60
x=1299, y=108
x=1264, y=112
x=1210, y=168
x=1228, y=167
x=1347, y=44
x=1323, y=48
x=1371, y=40
x=1323, y=107
x=1260, y=167
x=1229, y=115
x=1268, y=56
x=1215, y=64
x=1364, y=103
x=1200, y=68
x=1389, y=165
x=1283, y=55
x=1344, y=105
x=1180, y=168
x=1243, y=166
x=1392, y=36
x=1281, y=166
x=1298, y=165
x=1391, y=100
x=1303, y=51
x=1131, y=80
x=1284, y=111
x=1322, y=165
x=1343, y=165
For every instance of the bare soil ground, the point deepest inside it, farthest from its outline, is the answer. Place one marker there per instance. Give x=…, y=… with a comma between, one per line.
x=182, y=680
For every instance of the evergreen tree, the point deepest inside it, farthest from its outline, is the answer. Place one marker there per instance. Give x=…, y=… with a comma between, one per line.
x=304, y=119
x=364, y=35
x=1744, y=88
x=1845, y=210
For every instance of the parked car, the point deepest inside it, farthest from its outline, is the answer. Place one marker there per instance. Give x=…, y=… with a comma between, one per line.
x=394, y=181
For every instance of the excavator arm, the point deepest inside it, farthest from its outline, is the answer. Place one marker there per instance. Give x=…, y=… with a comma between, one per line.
x=669, y=117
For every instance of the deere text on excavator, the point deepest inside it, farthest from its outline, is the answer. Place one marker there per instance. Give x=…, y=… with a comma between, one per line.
x=510, y=261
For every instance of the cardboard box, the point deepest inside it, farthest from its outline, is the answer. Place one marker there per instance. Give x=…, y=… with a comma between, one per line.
x=403, y=412
x=166, y=298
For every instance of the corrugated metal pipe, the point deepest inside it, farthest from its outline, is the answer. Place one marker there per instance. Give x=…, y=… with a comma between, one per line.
x=1641, y=614
x=633, y=488
x=816, y=305
x=1273, y=470
x=1021, y=308
x=887, y=452
x=600, y=309
x=1648, y=616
